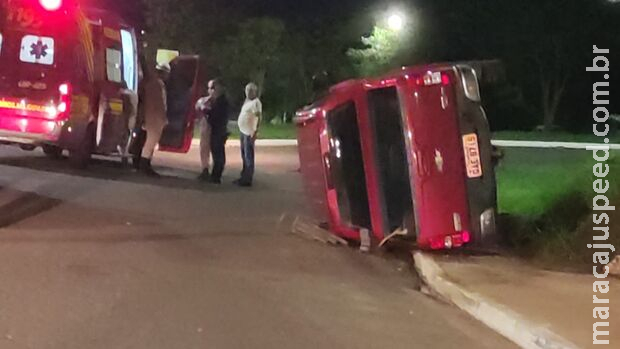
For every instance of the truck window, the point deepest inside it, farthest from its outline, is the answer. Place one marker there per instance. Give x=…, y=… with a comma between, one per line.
x=129, y=59
x=386, y=118
x=113, y=65
x=347, y=166
x=37, y=50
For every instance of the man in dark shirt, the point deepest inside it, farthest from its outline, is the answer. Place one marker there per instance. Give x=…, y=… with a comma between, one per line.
x=215, y=108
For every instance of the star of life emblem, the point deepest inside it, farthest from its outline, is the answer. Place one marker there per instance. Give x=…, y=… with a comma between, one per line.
x=39, y=50
x=36, y=49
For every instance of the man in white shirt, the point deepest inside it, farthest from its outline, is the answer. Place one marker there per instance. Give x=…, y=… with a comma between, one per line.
x=249, y=120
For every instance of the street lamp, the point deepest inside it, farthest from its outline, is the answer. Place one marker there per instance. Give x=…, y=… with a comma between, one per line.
x=396, y=22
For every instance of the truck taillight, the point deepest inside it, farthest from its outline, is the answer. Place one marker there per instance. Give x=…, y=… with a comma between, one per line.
x=450, y=241
x=51, y=5
x=433, y=78
x=64, y=104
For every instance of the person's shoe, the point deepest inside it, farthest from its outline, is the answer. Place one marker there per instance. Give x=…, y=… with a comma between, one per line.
x=135, y=162
x=215, y=180
x=204, y=176
x=145, y=167
x=241, y=183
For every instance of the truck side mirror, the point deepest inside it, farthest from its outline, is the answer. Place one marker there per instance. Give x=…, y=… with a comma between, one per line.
x=497, y=155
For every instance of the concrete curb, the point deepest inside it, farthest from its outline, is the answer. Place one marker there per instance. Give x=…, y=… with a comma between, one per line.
x=501, y=319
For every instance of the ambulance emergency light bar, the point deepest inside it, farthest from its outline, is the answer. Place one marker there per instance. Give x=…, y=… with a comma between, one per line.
x=51, y=5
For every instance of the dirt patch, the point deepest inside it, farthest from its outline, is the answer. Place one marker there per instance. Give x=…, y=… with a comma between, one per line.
x=559, y=239
x=586, y=232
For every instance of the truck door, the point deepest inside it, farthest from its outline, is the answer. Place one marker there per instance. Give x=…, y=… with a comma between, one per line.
x=182, y=90
x=119, y=56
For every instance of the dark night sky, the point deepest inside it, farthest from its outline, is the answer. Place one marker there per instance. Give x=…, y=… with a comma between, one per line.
x=291, y=11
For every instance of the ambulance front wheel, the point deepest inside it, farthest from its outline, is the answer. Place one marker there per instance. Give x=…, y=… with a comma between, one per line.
x=52, y=151
x=80, y=154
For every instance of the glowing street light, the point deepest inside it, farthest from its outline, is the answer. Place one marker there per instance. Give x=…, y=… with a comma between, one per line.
x=396, y=22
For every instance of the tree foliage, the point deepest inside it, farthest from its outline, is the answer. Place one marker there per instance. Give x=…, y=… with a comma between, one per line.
x=379, y=52
x=249, y=54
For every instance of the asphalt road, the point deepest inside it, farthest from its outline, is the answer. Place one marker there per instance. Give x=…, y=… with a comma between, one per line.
x=106, y=258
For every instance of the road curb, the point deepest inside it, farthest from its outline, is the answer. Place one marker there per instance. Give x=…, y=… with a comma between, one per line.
x=522, y=331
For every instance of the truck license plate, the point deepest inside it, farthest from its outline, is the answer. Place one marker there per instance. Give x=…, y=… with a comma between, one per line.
x=472, y=156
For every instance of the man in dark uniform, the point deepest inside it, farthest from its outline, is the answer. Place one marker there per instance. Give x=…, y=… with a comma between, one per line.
x=216, y=109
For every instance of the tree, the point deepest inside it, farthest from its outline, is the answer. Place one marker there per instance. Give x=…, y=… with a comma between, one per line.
x=174, y=27
x=249, y=54
x=379, y=52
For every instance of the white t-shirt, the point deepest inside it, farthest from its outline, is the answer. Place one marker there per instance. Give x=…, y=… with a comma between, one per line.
x=248, y=118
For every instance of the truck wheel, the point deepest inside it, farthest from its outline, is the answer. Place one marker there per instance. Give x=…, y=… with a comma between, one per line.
x=80, y=155
x=27, y=147
x=52, y=151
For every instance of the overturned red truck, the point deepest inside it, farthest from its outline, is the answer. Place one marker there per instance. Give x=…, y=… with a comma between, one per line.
x=409, y=152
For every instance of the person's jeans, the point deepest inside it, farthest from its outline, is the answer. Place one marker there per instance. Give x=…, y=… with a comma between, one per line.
x=218, y=152
x=205, y=144
x=247, y=155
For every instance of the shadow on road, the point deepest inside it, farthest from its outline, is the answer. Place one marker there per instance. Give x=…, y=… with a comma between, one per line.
x=25, y=206
x=111, y=169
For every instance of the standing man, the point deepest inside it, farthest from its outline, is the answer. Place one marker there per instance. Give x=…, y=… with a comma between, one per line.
x=249, y=120
x=213, y=131
x=155, y=118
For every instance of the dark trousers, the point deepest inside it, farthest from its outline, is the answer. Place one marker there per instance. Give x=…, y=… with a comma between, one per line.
x=247, y=155
x=218, y=152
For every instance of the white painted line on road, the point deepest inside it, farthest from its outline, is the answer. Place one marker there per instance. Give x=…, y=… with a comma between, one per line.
x=499, y=143
x=539, y=144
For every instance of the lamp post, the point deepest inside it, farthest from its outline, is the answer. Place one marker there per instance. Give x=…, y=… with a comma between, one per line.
x=396, y=21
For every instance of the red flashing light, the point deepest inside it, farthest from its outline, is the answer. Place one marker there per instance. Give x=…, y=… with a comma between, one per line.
x=64, y=106
x=51, y=5
x=466, y=237
x=445, y=79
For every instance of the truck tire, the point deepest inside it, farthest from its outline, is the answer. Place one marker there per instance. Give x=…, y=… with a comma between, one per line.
x=81, y=154
x=52, y=151
x=27, y=147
